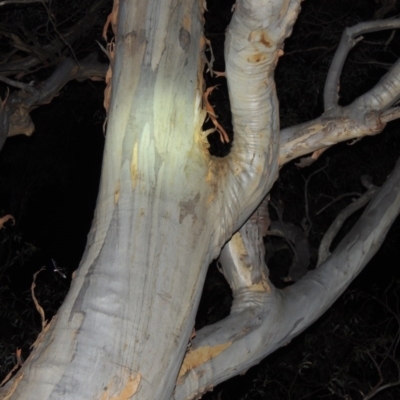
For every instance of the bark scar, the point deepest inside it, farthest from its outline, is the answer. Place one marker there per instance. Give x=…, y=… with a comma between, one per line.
x=184, y=39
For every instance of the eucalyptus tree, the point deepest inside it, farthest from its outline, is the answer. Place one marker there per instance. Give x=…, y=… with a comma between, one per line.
x=166, y=207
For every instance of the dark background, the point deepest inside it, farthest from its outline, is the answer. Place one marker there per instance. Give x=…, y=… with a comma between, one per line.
x=49, y=183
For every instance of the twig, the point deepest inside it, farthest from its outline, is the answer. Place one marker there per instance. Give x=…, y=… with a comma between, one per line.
x=309, y=223
x=336, y=200
x=323, y=252
x=20, y=85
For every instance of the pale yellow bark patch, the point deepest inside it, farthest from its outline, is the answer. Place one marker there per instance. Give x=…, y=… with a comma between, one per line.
x=237, y=241
x=261, y=286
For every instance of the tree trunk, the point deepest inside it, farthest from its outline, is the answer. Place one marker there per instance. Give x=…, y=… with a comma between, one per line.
x=164, y=210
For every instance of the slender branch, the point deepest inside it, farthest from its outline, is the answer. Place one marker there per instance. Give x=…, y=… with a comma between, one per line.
x=350, y=37
x=308, y=219
x=15, y=114
x=367, y=115
x=379, y=388
x=342, y=196
x=20, y=85
x=330, y=234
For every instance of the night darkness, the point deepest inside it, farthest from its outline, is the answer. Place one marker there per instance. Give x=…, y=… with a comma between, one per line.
x=49, y=183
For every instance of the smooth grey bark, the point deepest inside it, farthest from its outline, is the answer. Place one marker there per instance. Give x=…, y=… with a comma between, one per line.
x=127, y=319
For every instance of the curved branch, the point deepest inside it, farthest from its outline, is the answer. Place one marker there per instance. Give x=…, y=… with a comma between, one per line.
x=330, y=234
x=326, y=131
x=253, y=45
x=350, y=37
x=367, y=115
x=265, y=318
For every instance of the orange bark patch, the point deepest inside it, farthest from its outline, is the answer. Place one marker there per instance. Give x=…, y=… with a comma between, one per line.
x=197, y=357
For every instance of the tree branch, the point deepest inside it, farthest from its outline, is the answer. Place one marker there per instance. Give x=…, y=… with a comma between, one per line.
x=367, y=115
x=330, y=234
x=53, y=51
x=350, y=37
x=264, y=319
x=14, y=114
x=253, y=45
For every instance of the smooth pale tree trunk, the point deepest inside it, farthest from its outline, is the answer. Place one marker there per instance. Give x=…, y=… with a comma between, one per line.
x=165, y=209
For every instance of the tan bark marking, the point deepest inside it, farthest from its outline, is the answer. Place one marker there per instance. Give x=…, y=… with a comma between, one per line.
x=261, y=286
x=134, y=166
x=284, y=8
x=218, y=170
x=240, y=248
x=116, y=193
x=184, y=39
x=260, y=36
x=184, y=33
x=131, y=388
x=187, y=22
x=258, y=57
x=197, y=357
